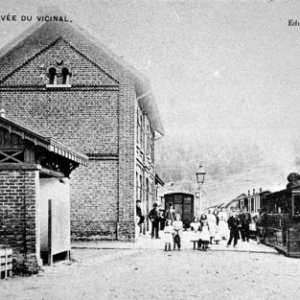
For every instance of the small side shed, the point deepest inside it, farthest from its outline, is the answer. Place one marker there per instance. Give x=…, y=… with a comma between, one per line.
x=34, y=195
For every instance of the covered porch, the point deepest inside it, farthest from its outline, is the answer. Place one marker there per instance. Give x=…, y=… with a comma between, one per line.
x=35, y=196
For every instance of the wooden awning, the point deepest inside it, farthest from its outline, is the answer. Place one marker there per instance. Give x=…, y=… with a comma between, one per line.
x=47, y=143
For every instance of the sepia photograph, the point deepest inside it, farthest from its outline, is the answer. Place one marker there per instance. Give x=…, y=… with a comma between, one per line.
x=149, y=149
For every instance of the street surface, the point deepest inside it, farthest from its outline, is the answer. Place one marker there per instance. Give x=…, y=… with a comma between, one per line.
x=132, y=273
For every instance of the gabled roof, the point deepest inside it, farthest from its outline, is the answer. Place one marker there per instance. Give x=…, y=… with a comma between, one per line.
x=47, y=143
x=41, y=35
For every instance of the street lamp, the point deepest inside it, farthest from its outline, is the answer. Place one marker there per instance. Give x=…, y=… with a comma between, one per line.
x=200, y=175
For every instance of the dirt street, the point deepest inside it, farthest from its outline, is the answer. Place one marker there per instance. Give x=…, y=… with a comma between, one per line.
x=155, y=274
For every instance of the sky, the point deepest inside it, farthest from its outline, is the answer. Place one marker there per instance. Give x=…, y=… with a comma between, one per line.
x=224, y=73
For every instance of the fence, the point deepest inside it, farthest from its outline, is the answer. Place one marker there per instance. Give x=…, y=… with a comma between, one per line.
x=5, y=262
x=282, y=232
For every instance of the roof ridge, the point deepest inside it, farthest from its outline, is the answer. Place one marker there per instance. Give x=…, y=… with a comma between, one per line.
x=91, y=61
x=30, y=59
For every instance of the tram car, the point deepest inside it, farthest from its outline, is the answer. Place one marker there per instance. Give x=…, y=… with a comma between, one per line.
x=183, y=204
x=285, y=202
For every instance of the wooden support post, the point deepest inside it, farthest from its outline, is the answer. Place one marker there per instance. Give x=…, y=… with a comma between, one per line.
x=50, y=258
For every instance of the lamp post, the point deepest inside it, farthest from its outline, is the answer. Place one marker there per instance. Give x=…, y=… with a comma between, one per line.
x=200, y=175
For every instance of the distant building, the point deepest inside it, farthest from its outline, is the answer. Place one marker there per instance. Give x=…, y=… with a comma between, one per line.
x=58, y=81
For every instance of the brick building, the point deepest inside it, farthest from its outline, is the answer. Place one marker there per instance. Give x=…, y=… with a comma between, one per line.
x=59, y=81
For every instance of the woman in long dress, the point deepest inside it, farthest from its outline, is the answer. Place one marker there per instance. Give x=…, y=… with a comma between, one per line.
x=212, y=223
x=223, y=217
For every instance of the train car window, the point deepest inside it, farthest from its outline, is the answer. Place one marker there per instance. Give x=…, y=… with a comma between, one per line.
x=187, y=211
x=178, y=199
x=296, y=205
x=188, y=200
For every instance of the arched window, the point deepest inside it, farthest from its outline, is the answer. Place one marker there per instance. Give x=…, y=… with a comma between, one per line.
x=65, y=76
x=52, y=76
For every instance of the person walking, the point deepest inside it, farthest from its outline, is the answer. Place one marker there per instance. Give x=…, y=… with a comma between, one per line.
x=234, y=225
x=154, y=218
x=139, y=215
x=246, y=221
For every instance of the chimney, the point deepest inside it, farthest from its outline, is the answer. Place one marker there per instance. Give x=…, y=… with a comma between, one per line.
x=253, y=191
x=248, y=192
x=260, y=190
x=2, y=113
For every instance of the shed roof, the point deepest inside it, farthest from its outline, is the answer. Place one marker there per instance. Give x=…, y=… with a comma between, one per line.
x=48, y=143
x=41, y=35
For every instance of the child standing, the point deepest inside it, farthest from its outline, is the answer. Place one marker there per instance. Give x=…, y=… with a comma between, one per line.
x=177, y=224
x=204, y=235
x=195, y=234
x=168, y=235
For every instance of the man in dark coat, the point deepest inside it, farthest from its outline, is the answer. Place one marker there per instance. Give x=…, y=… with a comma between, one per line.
x=234, y=225
x=154, y=218
x=246, y=221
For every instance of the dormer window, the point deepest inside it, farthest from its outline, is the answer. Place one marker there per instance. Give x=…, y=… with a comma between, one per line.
x=52, y=76
x=59, y=77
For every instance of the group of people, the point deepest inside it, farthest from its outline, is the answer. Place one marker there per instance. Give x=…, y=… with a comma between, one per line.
x=172, y=228
x=210, y=227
